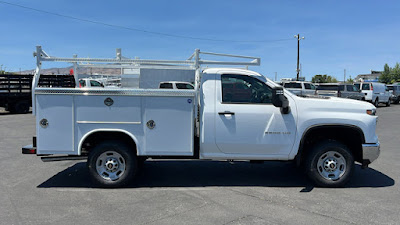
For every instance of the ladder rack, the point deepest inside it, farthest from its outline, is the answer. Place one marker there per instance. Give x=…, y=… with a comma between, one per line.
x=193, y=62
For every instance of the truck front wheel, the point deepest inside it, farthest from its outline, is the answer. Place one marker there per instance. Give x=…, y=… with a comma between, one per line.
x=330, y=164
x=112, y=164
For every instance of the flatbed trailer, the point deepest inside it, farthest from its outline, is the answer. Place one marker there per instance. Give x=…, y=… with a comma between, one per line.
x=15, y=92
x=16, y=89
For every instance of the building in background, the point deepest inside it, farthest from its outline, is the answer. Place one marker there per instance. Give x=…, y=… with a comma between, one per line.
x=372, y=77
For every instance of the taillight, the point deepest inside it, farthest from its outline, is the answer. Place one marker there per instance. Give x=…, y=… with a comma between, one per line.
x=372, y=87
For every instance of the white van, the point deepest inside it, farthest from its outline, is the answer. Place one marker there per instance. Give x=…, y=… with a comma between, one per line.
x=375, y=92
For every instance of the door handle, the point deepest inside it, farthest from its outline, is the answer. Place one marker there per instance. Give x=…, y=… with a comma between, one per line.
x=226, y=113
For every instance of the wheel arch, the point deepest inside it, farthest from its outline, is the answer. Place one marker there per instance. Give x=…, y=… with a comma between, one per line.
x=96, y=134
x=350, y=135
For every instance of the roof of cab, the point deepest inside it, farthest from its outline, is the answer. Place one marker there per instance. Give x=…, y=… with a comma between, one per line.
x=231, y=71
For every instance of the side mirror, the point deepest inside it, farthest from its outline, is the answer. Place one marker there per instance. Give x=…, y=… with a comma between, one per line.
x=279, y=100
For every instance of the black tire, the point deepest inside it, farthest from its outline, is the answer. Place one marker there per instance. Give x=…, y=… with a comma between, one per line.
x=376, y=103
x=116, y=160
x=388, y=103
x=397, y=100
x=326, y=156
x=11, y=108
x=21, y=107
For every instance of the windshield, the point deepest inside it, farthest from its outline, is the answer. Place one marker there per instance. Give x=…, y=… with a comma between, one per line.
x=328, y=87
x=358, y=86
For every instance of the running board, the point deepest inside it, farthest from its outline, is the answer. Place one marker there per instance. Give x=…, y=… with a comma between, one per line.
x=62, y=158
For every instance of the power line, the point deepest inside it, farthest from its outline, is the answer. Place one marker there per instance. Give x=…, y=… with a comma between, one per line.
x=136, y=29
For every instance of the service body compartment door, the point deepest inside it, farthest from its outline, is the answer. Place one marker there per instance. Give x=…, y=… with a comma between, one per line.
x=54, y=124
x=168, y=125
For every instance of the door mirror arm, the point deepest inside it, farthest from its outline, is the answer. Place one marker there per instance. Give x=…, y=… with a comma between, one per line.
x=280, y=100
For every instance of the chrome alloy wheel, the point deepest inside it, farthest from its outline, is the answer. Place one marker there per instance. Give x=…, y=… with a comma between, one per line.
x=331, y=165
x=110, y=165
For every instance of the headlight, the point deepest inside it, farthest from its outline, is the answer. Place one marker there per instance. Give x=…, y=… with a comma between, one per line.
x=371, y=112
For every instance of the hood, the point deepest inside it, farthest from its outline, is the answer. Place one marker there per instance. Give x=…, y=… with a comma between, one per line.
x=334, y=104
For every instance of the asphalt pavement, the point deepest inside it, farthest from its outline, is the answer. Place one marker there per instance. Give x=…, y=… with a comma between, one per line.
x=194, y=192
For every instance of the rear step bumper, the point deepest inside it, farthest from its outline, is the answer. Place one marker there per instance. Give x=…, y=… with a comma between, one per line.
x=29, y=149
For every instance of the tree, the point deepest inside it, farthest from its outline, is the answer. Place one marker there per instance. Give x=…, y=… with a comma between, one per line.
x=386, y=76
x=350, y=80
x=395, y=73
x=323, y=79
x=390, y=75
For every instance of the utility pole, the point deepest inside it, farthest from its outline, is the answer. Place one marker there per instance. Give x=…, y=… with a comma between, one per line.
x=344, y=76
x=301, y=71
x=298, y=53
x=276, y=76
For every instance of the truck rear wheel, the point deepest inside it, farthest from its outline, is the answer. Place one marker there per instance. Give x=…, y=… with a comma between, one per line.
x=376, y=103
x=112, y=164
x=330, y=164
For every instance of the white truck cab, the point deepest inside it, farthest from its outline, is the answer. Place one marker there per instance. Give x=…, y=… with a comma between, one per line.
x=300, y=88
x=231, y=114
x=176, y=85
x=90, y=83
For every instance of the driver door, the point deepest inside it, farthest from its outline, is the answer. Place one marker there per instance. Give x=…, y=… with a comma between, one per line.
x=246, y=122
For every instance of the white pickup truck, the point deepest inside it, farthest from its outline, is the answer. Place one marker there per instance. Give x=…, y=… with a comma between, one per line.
x=232, y=114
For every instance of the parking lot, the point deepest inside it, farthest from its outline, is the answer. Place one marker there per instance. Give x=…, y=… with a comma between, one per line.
x=194, y=192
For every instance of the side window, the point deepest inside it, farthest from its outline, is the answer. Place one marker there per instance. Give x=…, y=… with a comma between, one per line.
x=349, y=88
x=94, y=83
x=82, y=83
x=244, y=89
x=341, y=87
x=166, y=85
x=312, y=87
x=307, y=86
x=184, y=86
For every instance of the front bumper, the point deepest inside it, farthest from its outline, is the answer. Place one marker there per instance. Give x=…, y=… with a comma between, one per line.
x=370, y=153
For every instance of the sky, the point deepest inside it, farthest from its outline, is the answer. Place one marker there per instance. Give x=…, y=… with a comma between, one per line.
x=356, y=36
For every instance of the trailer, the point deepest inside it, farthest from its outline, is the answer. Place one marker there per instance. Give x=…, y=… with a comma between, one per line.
x=15, y=89
x=15, y=92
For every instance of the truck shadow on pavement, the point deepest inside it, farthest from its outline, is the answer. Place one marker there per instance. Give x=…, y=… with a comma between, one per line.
x=169, y=173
